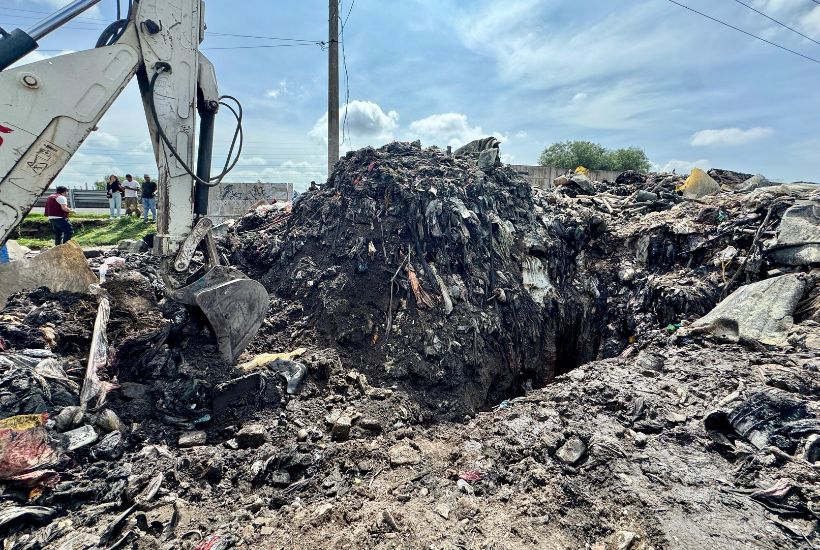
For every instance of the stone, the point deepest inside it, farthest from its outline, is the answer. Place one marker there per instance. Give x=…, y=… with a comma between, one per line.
x=811, y=451
x=759, y=312
x=59, y=268
x=341, y=428
x=403, y=455
x=266, y=530
x=192, y=439
x=322, y=513
x=302, y=435
x=624, y=540
x=132, y=245
x=371, y=424
x=758, y=180
x=443, y=510
x=424, y=491
x=798, y=241
x=572, y=451
x=251, y=436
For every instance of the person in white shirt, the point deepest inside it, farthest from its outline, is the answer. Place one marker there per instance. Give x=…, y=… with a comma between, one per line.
x=131, y=187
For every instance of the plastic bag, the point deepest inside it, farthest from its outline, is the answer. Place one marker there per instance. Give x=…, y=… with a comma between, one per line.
x=699, y=184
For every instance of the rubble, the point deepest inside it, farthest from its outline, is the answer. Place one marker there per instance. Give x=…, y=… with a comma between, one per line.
x=451, y=359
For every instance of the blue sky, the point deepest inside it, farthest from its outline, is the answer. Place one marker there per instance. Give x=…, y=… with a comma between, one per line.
x=622, y=73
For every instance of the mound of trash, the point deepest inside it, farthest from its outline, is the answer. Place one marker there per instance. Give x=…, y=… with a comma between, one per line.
x=450, y=359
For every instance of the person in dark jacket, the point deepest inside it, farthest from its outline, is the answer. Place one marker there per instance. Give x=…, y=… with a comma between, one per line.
x=149, y=199
x=57, y=212
x=114, y=192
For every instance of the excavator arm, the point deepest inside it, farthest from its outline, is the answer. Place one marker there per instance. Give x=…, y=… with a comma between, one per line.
x=48, y=108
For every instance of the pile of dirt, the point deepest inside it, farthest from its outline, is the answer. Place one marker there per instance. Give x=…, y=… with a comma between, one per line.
x=450, y=359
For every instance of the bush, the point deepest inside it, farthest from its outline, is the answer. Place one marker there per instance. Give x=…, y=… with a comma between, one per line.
x=571, y=154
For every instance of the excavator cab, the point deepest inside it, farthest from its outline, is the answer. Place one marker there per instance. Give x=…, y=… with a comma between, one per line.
x=49, y=107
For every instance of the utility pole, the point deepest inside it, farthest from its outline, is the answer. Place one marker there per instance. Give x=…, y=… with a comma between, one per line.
x=333, y=87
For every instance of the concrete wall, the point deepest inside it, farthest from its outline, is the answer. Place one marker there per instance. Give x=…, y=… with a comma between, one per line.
x=232, y=200
x=541, y=176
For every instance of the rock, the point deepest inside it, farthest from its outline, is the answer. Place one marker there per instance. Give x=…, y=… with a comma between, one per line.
x=251, y=436
x=322, y=513
x=700, y=184
x=403, y=455
x=572, y=451
x=192, y=439
x=798, y=242
x=759, y=312
x=59, y=268
x=110, y=447
x=624, y=540
x=645, y=196
x=811, y=450
x=266, y=530
x=379, y=394
x=302, y=435
x=371, y=424
x=443, y=510
x=108, y=421
x=675, y=418
x=341, y=428
x=69, y=417
x=424, y=491
x=131, y=245
x=754, y=182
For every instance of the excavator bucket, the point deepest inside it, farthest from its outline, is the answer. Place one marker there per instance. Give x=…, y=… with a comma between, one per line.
x=234, y=305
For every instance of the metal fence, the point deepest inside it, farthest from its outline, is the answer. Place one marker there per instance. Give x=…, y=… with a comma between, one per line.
x=78, y=198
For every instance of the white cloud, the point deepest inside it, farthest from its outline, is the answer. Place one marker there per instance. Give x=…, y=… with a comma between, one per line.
x=681, y=166
x=35, y=56
x=299, y=173
x=445, y=129
x=619, y=105
x=810, y=22
x=729, y=136
x=255, y=161
x=280, y=90
x=103, y=139
x=367, y=124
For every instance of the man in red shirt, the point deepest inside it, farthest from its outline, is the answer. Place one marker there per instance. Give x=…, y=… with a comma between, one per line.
x=57, y=212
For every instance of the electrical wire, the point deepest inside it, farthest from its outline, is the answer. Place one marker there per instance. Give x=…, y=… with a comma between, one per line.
x=778, y=22
x=724, y=23
x=344, y=64
x=238, y=133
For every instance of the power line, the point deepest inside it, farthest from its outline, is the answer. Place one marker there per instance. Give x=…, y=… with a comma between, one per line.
x=778, y=22
x=212, y=33
x=745, y=32
x=344, y=64
x=258, y=46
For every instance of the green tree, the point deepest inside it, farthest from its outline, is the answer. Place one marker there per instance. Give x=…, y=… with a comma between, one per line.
x=571, y=154
x=594, y=156
x=629, y=158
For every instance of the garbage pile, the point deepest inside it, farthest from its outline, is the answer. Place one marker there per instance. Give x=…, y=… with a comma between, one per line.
x=450, y=359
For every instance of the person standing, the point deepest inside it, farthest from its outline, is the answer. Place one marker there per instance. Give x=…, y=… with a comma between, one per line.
x=57, y=212
x=114, y=193
x=149, y=199
x=131, y=187
x=313, y=186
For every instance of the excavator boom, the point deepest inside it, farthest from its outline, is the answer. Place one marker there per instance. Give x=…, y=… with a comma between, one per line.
x=48, y=108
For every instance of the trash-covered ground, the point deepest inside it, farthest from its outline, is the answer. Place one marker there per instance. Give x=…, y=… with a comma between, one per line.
x=451, y=359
